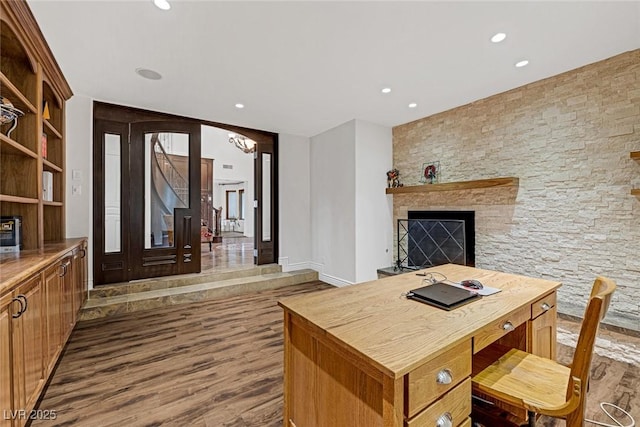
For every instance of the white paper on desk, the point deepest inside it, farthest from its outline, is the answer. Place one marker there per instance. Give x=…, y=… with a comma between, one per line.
x=486, y=290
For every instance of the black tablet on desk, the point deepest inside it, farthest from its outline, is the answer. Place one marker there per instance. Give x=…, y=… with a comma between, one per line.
x=443, y=296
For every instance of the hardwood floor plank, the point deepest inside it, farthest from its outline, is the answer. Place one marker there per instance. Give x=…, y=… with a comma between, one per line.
x=210, y=363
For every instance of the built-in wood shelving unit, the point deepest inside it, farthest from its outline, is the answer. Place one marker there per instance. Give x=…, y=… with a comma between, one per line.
x=31, y=80
x=635, y=155
x=456, y=186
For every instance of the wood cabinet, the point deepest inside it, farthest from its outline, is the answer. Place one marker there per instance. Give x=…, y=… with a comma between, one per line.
x=7, y=308
x=28, y=348
x=40, y=295
x=32, y=81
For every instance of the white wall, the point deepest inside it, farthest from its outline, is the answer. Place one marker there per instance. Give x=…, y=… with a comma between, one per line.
x=374, y=208
x=351, y=217
x=79, y=152
x=333, y=213
x=295, y=202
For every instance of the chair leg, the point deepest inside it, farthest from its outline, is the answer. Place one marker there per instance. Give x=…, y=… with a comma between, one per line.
x=532, y=418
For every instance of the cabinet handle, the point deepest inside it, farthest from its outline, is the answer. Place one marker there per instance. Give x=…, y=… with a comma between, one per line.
x=508, y=326
x=545, y=306
x=23, y=298
x=84, y=252
x=445, y=420
x=21, y=310
x=444, y=376
x=64, y=269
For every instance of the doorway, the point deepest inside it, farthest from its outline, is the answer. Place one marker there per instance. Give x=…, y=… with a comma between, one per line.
x=148, y=194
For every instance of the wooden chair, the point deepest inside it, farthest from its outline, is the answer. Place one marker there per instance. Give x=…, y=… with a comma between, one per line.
x=543, y=386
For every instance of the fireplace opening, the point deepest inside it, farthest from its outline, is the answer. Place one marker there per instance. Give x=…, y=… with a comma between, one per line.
x=430, y=238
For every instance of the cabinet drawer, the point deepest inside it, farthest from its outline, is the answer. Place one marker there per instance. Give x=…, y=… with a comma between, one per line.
x=456, y=404
x=495, y=330
x=431, y=380
x=466, y=423
x=543, y=304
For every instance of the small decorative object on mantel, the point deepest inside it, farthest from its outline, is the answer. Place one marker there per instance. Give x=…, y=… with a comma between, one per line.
x=393, y=178
x=9, y=114
x=430, y=172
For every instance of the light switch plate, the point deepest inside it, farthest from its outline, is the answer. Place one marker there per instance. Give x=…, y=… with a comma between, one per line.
x=76, y=175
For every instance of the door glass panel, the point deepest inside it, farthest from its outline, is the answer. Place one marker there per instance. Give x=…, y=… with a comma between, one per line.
x=112, y=194
x=166, y=185
x=266, y=197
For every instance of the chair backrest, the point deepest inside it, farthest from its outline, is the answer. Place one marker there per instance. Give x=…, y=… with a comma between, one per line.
x=597, y=307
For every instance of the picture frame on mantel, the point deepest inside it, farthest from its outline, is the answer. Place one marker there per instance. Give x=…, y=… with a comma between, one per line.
x=430, y=172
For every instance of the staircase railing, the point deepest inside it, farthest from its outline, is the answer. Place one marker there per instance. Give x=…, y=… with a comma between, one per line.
x=176, y=181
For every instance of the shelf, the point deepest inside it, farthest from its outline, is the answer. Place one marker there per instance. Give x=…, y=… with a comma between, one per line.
x=48, y=166
x=635, y=155
x=9, y=146
x=21, y=103
x=17, y=199
x=456, y=186
x=47, y=203
x=52, y=129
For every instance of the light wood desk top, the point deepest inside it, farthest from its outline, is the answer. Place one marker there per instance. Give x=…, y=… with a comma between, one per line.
x=395, y=335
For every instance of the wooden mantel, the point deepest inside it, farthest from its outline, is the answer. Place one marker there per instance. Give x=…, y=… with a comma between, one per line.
x=453, y=186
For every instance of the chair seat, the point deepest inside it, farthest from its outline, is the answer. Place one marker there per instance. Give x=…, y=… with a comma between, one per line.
x=519, y=376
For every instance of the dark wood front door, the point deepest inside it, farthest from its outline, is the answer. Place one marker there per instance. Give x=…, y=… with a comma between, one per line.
x=146, y=204
x=165, y=199
x=266, y=185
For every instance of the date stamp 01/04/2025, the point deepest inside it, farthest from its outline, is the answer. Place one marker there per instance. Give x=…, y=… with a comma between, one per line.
x=36, y=414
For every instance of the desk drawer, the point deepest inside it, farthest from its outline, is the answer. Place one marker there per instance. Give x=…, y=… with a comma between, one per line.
x=495, y=330
x=456, y=404
x=436, y=377
x=544, y=304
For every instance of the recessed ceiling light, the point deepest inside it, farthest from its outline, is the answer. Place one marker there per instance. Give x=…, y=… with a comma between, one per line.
x=162, y=4
x=238, y=105
x=522, y=63
x=498, y=37
x=413, y=105
x=148, y=74
x=386, y=90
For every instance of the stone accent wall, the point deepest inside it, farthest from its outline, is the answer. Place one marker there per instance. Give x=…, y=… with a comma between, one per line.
x=567, y=138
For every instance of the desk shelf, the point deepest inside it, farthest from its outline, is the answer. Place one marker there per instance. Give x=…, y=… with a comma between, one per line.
x=456, y=186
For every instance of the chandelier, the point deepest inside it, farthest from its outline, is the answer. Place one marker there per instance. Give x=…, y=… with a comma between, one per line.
x=244, y=144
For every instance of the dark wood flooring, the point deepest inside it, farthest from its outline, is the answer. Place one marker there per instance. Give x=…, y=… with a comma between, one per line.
x=212, y=363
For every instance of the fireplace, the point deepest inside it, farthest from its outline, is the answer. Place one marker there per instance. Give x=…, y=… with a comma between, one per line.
x=430, y=238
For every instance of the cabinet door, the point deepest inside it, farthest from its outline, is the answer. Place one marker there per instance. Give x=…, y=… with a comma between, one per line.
x=542, y=334
x=67, y=296
x=7, y=308
x=27, y=332
x=79, y=279
x=53, y=296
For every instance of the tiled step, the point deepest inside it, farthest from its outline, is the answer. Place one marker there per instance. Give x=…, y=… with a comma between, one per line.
x=182, y=280
x=98, y=307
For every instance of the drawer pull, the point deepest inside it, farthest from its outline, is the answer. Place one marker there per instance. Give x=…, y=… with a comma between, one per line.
x=444, y=377
x=545, y=306
x=508, y=326
x=445, y=420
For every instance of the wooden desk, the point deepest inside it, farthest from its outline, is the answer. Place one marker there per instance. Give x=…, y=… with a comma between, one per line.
x=364, y=355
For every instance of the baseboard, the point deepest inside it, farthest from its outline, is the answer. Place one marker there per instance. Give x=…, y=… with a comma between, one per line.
x=286, y=266
x=327, y=278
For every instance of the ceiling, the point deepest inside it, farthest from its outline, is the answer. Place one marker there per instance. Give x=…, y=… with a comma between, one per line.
x=304, y=67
